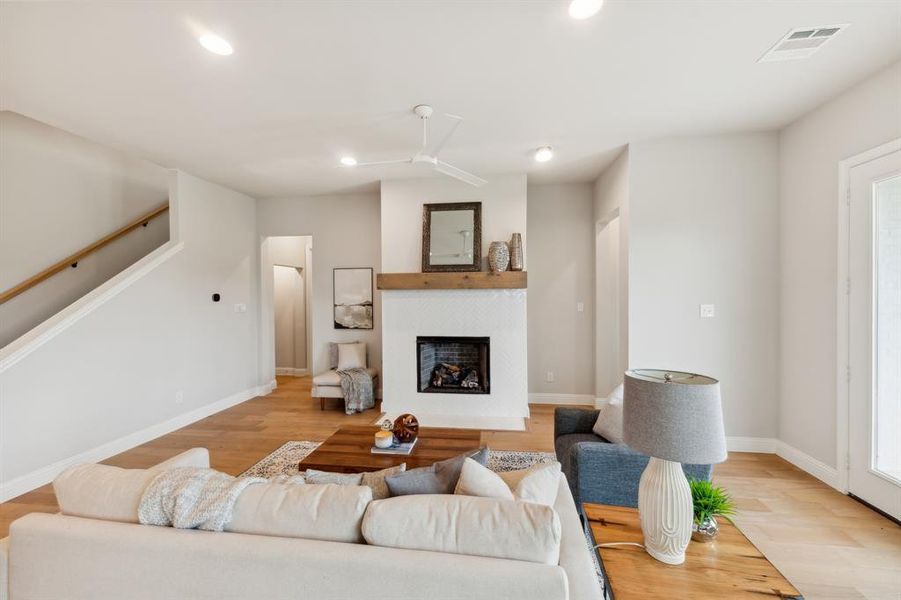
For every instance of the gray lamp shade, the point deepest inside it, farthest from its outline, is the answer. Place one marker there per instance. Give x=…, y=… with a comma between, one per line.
x=674, y=416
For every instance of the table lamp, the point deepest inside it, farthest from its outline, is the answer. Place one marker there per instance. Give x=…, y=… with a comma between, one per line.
x=674, y=418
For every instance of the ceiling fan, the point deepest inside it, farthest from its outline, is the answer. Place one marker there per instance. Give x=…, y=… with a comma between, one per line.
x=424, y=112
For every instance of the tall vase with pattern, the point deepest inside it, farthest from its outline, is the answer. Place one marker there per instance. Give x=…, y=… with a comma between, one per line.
x=498, y=257
x=516, y=257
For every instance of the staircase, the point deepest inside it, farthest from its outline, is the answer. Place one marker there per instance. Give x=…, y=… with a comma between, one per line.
x=30, y=302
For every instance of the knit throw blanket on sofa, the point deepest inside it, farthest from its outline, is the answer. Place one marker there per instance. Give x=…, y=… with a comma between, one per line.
x=357, y=387
x=192, y=498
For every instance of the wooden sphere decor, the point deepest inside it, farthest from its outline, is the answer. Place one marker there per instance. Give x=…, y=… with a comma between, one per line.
x=406, y=428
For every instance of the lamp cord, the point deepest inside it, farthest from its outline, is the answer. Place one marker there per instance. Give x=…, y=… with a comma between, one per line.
x=609, y=544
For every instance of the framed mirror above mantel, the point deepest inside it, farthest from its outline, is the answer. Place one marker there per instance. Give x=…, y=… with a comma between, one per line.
x=452, y=237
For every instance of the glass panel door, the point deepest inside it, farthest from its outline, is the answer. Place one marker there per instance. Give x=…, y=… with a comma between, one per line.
x=887, y=327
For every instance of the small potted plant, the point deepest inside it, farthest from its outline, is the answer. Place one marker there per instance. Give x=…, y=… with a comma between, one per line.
x=709, y=501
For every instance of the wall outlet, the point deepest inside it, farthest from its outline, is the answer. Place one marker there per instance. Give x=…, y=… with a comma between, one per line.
x=707, y=311
x=179, y=397
x=580, y=307
x=550, y=377
x=240, y=308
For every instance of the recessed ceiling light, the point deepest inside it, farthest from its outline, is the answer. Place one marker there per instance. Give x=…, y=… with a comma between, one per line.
x=544, y=154
x=348, y=161
x=582, y=9
x=215, y=44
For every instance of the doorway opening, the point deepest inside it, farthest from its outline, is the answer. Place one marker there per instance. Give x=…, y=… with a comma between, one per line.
x=289, y=261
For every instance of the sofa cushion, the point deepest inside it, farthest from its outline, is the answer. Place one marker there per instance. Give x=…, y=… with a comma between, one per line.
x=316, y=512
x=112, y=493
x=102, y=492
x=332, y=377
x=465, y=525
x=538, y=484
x=438, y=478
x=372, y=479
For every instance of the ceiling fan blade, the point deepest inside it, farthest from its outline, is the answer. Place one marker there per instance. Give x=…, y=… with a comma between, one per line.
x=384, y=162
x=460, y=174
x=447, y=136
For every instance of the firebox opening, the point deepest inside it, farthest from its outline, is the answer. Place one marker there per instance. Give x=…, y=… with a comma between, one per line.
x=453, y=365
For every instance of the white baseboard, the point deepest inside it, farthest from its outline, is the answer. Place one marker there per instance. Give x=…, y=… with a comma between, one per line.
x=35, y=479
x=751, y=444
x=587, y=399
x=291, y=372
x=805, y=462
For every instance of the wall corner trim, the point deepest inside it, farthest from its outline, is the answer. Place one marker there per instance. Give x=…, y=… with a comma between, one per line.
x=35, y=479
x=805, y=462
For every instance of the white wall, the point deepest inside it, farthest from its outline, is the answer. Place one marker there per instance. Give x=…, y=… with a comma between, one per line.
x=703, y=229
x=864, y=117
x=503, y=201
x=345, y=231
x=59, y=193
x=111, y=379
x=611, y=207
x=561, y=275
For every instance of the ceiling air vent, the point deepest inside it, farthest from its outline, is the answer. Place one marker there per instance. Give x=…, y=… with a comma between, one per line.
x=801, y=42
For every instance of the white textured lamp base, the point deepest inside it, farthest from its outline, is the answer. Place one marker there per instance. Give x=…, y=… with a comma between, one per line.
x=665, y=510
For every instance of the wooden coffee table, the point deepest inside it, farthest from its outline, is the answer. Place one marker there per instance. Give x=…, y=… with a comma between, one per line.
x=348, y=449
x=729, y=567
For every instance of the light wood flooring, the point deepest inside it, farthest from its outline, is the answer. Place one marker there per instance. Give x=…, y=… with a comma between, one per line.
x=826, y=544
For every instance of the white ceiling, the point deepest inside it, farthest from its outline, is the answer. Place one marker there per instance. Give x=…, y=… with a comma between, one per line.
x=310, y=81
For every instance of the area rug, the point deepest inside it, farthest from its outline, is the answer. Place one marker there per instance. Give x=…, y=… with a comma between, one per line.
x=284, y=460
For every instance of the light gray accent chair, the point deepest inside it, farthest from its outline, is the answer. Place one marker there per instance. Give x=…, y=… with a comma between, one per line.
x=328, y=383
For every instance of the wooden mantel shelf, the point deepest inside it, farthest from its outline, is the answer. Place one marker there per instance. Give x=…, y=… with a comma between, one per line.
x=472, y=280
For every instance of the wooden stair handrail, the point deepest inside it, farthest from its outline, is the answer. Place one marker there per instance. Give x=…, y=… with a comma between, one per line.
x=73, y=259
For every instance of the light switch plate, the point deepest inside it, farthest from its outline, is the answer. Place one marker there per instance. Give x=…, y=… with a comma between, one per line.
x=240, y=308
x=708, y=311
x=580, y=306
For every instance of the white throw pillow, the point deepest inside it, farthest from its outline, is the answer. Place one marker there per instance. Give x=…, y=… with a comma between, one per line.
x=610, y=421
x=465, y=525
x=538, y=484
x=351, y=356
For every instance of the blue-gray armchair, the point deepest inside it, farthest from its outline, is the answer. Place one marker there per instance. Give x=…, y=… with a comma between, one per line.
x=599, y=471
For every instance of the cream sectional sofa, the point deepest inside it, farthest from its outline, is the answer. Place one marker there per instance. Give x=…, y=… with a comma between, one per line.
x=56, y=556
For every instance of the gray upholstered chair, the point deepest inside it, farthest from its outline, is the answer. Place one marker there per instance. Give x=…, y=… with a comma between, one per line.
x=599, y=471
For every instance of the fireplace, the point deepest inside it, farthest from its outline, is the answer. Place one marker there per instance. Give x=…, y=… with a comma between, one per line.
x=453, y=365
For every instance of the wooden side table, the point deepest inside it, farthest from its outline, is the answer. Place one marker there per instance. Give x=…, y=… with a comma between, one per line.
x=729, y=567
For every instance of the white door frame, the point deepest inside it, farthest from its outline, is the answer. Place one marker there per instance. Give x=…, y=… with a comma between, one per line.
x=842, y=316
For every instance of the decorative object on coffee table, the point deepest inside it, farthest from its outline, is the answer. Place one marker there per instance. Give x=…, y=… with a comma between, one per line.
x=517, y=262
x=731, y=568
x=709, y=501
x=406, y=428
x=498, y=257
x=674, y=418
x=383, y=439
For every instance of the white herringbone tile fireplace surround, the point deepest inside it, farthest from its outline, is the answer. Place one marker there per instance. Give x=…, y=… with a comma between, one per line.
x=497, y=314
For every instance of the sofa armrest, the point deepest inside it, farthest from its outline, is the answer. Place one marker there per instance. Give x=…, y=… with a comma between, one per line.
x=610, y=473
x=574, y=420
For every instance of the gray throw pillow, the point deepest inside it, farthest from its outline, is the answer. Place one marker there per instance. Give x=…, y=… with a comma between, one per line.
x=439, y=478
